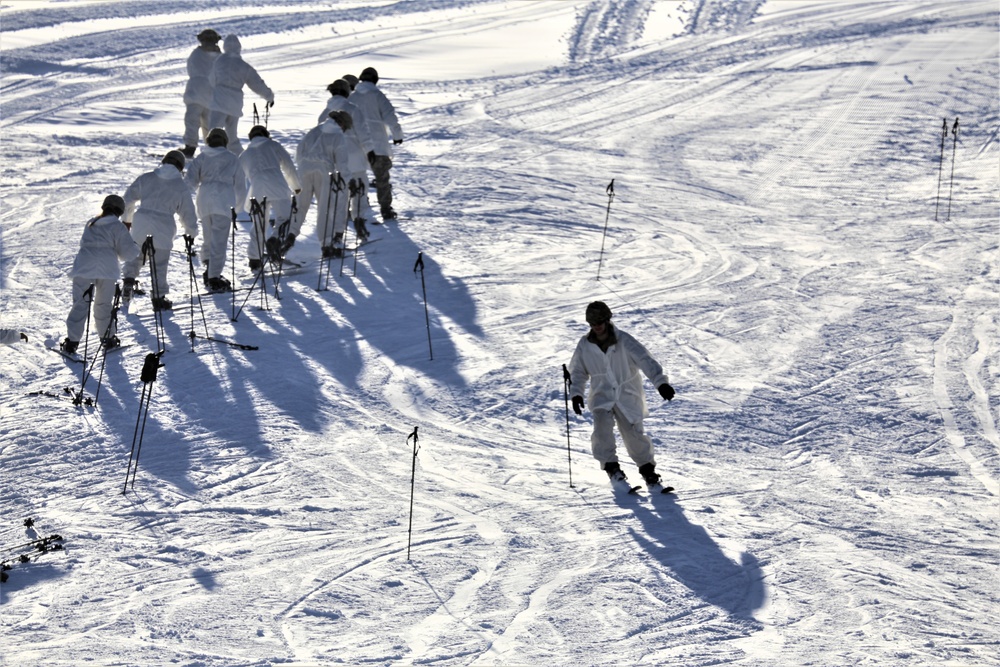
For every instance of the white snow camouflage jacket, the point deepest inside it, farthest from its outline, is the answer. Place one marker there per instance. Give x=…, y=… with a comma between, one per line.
x=324, y=148
x=614, y=375
x=199, y=68
x=229, y=74
x=105, y=244
x=379, y=114
x=217, y=177
x=163, y=194
x=359, y=139
x=270, y=170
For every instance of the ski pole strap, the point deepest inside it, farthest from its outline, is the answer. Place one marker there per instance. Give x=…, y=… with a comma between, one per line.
x=611, y=189
x=419, y=265
x=414, y=436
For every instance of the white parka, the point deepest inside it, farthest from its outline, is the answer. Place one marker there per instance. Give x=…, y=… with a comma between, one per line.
x=379, y=114
x=614, y=375
x=216, y=175
x=199, y=68
x=270, y=170
x=359, y=140
x=324, y=148
x=229, y=74
x=163, y=194
x=105, y=244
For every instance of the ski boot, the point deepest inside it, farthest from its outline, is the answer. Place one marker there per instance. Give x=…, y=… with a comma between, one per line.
x=653, y=481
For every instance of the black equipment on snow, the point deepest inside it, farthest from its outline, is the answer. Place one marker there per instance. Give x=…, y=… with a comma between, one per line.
x=569, y=453
x=148, y=376
x=258, y=213
x=413, y=477
x=610, y=190
x=149, y=253
x=427, y=317
x=194, y=293
x=954, y=149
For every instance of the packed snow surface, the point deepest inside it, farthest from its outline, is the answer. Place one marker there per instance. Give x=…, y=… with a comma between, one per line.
x=798, y=231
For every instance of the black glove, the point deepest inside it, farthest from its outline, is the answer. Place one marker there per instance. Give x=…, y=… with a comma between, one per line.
x=397, y=141
x=666, y=391
x=189, y=243
x=371, y=157
x=270, y=104
x=578, y=405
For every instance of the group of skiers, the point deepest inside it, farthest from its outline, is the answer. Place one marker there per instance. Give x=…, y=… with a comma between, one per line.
x=331, y=166
x=261, y=182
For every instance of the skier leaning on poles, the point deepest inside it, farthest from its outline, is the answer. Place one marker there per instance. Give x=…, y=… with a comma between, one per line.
x=161, y=195
x=612, y=360
x=359, y=144
x=217, y=178
x=321, y=152
x=104, y=245
x=272, y=176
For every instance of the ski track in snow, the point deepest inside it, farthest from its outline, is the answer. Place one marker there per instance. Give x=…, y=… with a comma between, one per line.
x=772, y=240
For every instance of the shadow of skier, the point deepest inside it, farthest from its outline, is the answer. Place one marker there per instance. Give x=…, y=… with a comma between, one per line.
x=696, y=560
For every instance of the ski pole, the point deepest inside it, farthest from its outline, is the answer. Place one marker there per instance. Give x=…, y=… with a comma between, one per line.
x=232, y=262
x=324, y=263
x=569, y=454
x=610, y=190
x=944, y=135
x=420, y=265
x=149, y=253
x=148, y=376
x=954, y=149
x=88, y=294
x=110, y=331
x=413, y=476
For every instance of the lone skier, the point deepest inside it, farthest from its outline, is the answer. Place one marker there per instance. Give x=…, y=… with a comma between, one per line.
x=612, y=359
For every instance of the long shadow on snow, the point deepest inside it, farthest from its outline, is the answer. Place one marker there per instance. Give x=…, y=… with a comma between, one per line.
x=697, y=561
x=384, y=304
x=211, y=414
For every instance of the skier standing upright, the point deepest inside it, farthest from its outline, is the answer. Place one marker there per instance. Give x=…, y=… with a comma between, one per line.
x=229, y=74
x=217, y=178
x=612, y=360
x=104, y=245
x=163, y=195
x=198, y=93
x=272, y=176
x=382, y=124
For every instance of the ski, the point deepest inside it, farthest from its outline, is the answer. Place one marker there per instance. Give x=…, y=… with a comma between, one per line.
x=75, y=358
x=80, y=359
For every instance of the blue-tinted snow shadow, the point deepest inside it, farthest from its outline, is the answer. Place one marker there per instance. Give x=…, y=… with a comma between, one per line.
x=223, y=416
x=697, y=561
x=382, y=298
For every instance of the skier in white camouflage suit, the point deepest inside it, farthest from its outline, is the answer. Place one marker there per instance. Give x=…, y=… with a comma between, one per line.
x=217, y=178
x=359, y=143
x=164, y=196
x=272, y=175
x=321, y=152
x=612, y=360
x=382, y=123
x=104, y=245
x=198, y=92
x=229, y=74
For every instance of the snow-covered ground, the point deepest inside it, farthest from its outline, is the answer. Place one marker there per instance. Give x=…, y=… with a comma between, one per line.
x=772, y=241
